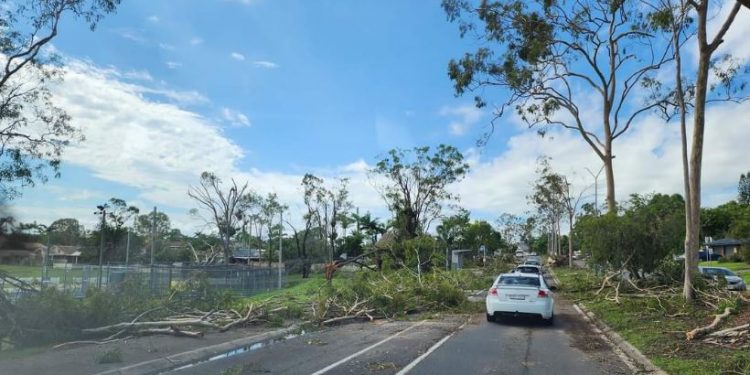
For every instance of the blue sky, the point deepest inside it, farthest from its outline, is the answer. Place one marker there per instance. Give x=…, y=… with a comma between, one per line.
x=266, y=91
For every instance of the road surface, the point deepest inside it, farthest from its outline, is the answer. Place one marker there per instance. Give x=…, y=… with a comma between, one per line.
x=452, y=345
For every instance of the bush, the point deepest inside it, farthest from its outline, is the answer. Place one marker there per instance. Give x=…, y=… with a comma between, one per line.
x=734, y=258
x=745, y=252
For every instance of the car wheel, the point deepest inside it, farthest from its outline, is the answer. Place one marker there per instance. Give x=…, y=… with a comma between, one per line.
x=550, y=321
x=490, y=318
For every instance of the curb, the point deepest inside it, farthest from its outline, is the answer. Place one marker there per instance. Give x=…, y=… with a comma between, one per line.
x=174, y=361
x=625, y=350
x=620, y=343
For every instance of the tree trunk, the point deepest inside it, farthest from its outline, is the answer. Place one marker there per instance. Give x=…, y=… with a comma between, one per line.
x=610, y=175
x=696, y=155
x=690, y=244
x=570, y=240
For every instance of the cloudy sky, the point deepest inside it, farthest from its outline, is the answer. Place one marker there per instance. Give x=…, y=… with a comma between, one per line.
x=266, y=91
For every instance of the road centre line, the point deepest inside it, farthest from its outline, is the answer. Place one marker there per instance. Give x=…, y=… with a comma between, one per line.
x=365, y=350
x=429, y=351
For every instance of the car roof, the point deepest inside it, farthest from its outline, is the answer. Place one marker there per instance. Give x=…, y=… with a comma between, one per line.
x=519, y=274
x=528, y=265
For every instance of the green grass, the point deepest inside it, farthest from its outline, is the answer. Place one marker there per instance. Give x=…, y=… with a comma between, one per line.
x=741, y=268
x=656, y=327
x=36, y=271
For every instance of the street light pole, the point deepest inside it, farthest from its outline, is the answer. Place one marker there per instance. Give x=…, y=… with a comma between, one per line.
x=153, y=235
x=596, y=187
x=102, y=211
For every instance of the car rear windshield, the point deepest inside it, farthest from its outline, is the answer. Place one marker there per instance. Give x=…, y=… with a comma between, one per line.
x=519, y=280
x=527, y=269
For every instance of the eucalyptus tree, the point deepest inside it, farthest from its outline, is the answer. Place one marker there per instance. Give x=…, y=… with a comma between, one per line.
x=416, y=184
x=222, y=206
x=325, y=208
x=576, y=65
x=715, y=79
x=34, y=131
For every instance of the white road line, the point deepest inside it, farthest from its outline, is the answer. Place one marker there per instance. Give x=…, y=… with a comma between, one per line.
x=365, y=350
x=429, y=351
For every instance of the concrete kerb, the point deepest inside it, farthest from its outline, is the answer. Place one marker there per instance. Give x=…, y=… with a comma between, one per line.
x=174, y=361
x=629, y=353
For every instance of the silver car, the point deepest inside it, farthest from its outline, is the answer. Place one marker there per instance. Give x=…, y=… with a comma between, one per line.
x=734, y=282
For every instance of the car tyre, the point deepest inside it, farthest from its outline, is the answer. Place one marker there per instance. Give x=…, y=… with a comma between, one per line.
x=490, y=318
x=550, y=321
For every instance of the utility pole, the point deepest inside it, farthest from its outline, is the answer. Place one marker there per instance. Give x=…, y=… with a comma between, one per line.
x=281, y=231
x=153, y=235
x=102, y=211
x=127, y=247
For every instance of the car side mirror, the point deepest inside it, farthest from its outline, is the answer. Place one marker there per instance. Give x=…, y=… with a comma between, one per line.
x=553, y=287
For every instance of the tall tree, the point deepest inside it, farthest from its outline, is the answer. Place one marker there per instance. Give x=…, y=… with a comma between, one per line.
x=452, y=229
x=693, y=95
x=325, y=207
x=222, y=206
x=553, y=57
x=416, y=182
x=33, y=130
x=67, y=232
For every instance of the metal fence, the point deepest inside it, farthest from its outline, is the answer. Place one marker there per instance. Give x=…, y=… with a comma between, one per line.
x=161, y=279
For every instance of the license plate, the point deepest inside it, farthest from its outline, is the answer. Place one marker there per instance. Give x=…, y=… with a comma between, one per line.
x=516, y=296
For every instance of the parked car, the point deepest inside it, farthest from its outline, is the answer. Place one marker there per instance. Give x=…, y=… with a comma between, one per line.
x=528, y=268
x=734, y=282
x=704, y=256
x=520, y=294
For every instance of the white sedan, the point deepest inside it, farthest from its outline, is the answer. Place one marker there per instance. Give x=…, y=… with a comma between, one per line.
x=520, y=294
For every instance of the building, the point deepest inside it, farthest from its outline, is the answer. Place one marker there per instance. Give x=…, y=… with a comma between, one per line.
x=60, y=254
x=727, y=246
x=245, y=255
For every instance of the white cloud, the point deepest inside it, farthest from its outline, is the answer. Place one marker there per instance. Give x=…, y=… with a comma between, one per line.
x=139, y=75
x=464, y=117
x=167, y=47
x=647, y=160
x=265, y=64
x=130, y=34
x=196, y=41
x=153, y=19
x=173, y=64
x=235, y=118
x=237, y=56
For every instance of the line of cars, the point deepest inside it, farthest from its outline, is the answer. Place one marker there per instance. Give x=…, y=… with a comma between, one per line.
x=522, y=292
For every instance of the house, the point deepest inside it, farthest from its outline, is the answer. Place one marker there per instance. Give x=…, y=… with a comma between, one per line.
x=60, y=254
x=727, y=246
x=27, y=253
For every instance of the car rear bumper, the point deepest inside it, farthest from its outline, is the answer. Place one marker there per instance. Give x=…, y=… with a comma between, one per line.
x=541, y=308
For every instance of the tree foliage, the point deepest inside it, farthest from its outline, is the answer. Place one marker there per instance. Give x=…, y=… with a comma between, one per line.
x=649, y=229
x=743, y=188
x=416, y=182
x=33, y=130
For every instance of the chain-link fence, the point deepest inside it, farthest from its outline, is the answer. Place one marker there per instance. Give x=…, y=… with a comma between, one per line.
x=160, y=279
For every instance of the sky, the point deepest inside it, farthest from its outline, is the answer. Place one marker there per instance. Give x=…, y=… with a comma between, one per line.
x=265, y=91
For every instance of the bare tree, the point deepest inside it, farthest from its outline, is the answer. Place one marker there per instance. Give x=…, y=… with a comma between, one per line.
x=325, y=208
x=223, y=206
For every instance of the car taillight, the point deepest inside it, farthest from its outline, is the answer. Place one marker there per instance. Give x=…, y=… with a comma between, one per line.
x=542, y=294
x=493, y=291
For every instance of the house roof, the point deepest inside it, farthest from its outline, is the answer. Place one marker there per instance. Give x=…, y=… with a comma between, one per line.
x=60, y=250
x=728, y=242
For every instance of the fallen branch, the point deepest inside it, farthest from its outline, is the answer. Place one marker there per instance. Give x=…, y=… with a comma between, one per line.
x=170, y=331
x=734, y=331
x=146, y=325
x=229, y=325
x=700, y=331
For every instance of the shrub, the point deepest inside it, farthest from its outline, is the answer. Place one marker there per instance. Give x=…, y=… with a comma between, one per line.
x=745, y=252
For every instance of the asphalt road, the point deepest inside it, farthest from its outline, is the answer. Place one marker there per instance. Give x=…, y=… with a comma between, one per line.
x=450, y=345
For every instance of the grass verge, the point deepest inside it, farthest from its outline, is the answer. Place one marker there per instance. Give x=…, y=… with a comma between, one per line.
x=657, y=326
